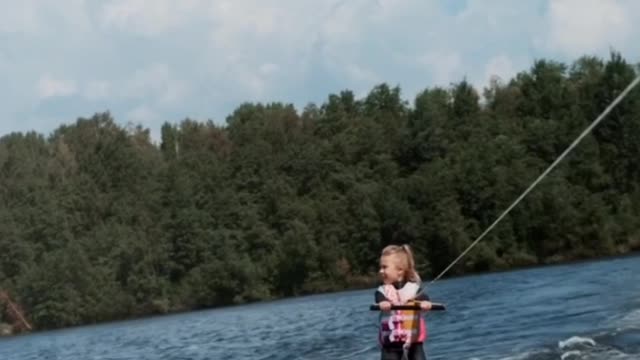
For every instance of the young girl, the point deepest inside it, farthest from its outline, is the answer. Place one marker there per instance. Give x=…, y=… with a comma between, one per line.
x=402, y=332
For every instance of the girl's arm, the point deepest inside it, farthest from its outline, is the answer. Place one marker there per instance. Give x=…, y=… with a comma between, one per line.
x=382, y=301
x=380, y=297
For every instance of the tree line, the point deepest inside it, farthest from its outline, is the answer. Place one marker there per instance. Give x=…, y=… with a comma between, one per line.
x=98, y=222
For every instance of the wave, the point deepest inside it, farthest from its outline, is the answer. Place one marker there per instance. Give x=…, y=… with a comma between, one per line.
x=609, y=346
x=575, y=341
x=629, y=320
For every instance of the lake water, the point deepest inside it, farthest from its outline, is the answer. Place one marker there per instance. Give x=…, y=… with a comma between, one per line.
x=579, y=311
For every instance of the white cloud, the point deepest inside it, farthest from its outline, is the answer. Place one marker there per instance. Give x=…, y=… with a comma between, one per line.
x=255, y=18
x=246, y=35
x=498, y=14
x=204, y=57
x=445, y=66
x=142, y=114
x=362, y=74
x=37, y=17
x=49, y=86
x=96, y=90
x=577, y=27
x=149, y=17
x=155, y=81
x=339, y=25
x=339, y=37
x=383, y=11
x=500, y=66
x=269, y=68
x=19, y=17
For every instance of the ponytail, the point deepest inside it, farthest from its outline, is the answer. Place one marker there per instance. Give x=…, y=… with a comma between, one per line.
x=412, y=274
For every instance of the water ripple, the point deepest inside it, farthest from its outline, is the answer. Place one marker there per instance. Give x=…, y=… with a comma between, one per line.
x=534, y=314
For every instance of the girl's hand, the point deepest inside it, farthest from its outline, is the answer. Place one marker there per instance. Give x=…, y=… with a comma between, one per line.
x=384, y=305
x=425, y=305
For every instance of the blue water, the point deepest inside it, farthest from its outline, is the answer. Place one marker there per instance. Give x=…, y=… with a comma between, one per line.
x=580, y=311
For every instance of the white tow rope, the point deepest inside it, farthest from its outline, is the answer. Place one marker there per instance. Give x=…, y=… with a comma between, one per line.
x=615, y=102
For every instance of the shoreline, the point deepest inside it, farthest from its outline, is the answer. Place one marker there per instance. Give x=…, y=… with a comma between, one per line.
x=360, y=286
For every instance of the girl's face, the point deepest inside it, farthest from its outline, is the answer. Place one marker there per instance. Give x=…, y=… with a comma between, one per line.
x=390, y=272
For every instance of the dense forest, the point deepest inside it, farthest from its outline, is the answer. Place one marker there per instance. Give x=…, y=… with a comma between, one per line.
x=99, y=222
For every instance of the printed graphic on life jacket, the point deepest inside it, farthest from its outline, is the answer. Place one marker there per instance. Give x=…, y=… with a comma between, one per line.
x=400, y=326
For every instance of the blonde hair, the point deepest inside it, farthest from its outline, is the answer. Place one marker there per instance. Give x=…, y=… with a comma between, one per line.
x=405, y=260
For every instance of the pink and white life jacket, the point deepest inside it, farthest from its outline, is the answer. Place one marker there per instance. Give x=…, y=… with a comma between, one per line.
x=401, y=326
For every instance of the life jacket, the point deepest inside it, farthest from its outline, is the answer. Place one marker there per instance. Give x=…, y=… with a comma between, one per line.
x=399, y=327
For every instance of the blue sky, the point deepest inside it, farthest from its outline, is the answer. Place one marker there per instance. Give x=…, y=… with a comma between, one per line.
x=151, y=61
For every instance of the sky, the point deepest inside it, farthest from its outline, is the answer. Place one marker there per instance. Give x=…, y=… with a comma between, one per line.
x=152, y=61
